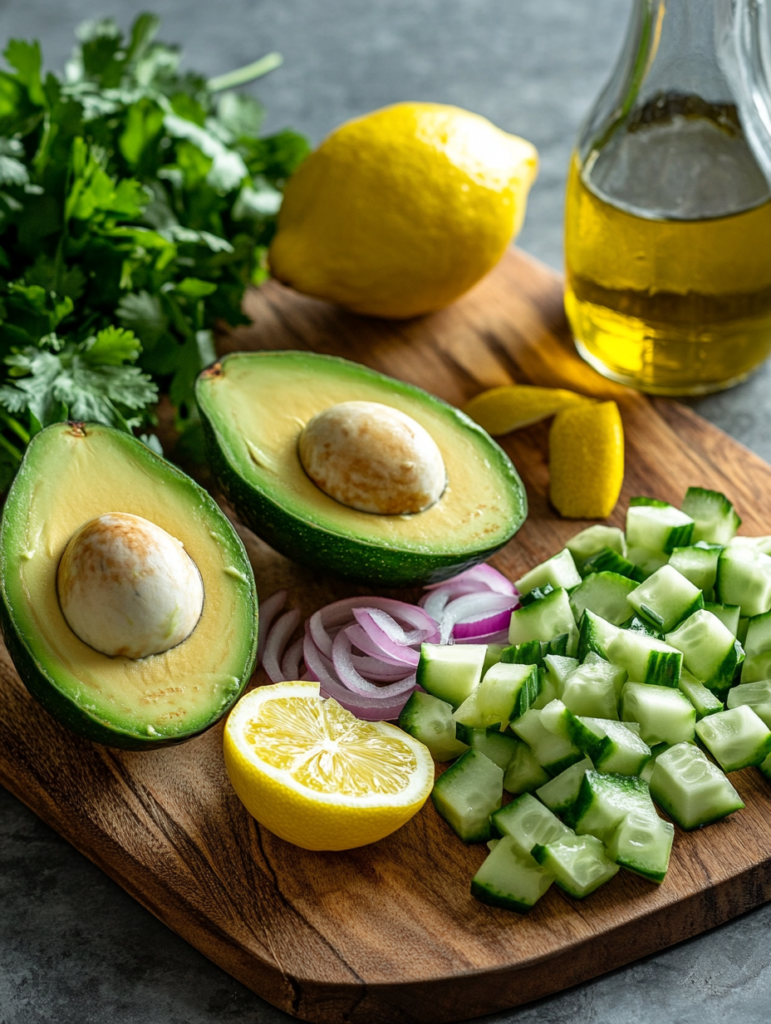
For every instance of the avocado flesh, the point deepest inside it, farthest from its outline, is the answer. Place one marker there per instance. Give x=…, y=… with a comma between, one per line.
x=254, y=406
x=71, y=474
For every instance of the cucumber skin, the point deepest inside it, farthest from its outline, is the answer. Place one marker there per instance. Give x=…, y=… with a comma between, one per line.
x=665, y=805
x=349, y=557
x=496, y=898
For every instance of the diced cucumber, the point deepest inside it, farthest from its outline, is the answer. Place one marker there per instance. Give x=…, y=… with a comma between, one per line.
x=604, y=801
x=559, y=669
x=544, y=620
x=741, y=633
x=507, y=691
x=638, y=625
x=467, y=794
x=500, y=747
x=645, y=659
x=604, y=593
x=559, y=571
x=451, y=671
x=560, y=792
x=736, y=739
x=656, y=751
x=430, y=720
x=593, y=539
x=710, y=652
x=727, y=613
x=755, y=695
x=659, y=527
x=744, y=578
x=554, y=753
x=642, y=843
x=666, y=598
x=536, y=594
x=715, y=519
x=528, y=822
x=596, y=635
x=690, y=788
x=665, y=715
x=528, y=653
x=766, y=767
x=510, y=878
x=762, y=544
x=698, y=564
x=757, y=649
x=608, y=560
x=704, y=701
x=523, y=773
x=593, y=689
x=612, y=747
x=647, y=561
x=547, y=692
x=579, y=864
x=492, y=656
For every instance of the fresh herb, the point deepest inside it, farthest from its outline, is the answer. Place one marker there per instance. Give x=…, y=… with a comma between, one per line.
x=136, y=205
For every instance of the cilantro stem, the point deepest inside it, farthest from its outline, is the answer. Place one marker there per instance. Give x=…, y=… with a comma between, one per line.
x=241, y=76
x=11, y=449
x=15, y=426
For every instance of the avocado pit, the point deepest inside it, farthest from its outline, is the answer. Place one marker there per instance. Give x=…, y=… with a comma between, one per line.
x=373, y=458
x=128, y=588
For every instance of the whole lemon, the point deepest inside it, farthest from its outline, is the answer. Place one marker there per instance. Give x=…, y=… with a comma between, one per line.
x=399, y=212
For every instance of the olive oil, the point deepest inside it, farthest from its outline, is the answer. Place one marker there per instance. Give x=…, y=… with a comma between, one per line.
x=671, y=296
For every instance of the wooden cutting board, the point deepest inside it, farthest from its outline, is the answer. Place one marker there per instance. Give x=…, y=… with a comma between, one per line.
x=389, y=933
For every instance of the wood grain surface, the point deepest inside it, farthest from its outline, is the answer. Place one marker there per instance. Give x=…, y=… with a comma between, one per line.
x=390, y=933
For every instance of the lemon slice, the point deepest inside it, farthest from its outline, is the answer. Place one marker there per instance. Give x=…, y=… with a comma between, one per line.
x=586, y=460
x=316, y=775
x=501, y=410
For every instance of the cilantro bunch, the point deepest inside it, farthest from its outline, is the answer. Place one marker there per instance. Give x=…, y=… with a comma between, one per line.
x=136, y=205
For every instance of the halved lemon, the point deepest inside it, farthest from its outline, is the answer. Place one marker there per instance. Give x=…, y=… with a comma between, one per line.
x=317, y=776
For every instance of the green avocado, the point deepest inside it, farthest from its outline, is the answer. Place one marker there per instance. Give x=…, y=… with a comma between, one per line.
x=254, y=407
x=73, y=473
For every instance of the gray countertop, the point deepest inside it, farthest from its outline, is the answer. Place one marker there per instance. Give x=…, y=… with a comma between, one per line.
x=74, y=948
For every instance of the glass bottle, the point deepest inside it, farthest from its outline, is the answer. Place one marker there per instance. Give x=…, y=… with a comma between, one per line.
x=668, y=216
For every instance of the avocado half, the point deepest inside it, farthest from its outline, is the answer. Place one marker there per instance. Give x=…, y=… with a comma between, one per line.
x=72, y=473
x=255, y=404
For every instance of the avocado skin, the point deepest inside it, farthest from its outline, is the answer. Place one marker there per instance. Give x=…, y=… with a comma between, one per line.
x=67, y=712
x=348, y=558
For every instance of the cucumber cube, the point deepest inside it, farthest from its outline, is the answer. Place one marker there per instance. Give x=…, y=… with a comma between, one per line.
x=560, y=792
x=642, y=843
x=523, y=773
x=467, y=794
x=451, y=671
x=705, y=702
x=507, y=691
x=596, y=635
x=755, y=695
x=604, y=801
x=554, y=753
x=604, y=593
x=559, y=668
x=645, y=659
x=762, y=544
x=528, y=653
x=665, y=715
x=430, y=720
x=646, y=561
x=510, y=878
x=545, y=619
x=493, y=655
x=715, y=519
x=618, y=749
x=593, y=539
x=698, y=564
x=500, y=747
x=593, y=689
x=736, y=739
x=757, y=648
x=559, y=571
x=548, y=691
x=607, y=560
x=710, y=652
x=690, y=788
x=727, y=613
x=658, y=527
x=579, y=864
x=666, y=598
x=638, y=625
x=528, y=822
x=744, y=578
x=766, y=767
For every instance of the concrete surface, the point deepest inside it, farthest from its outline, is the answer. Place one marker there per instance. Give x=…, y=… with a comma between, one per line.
x=74, y=948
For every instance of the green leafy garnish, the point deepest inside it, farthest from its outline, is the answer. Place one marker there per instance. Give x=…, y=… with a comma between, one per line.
x=136, y=205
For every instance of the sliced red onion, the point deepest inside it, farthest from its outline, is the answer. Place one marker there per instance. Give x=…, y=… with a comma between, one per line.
x=342, y=659
x=275, y=644
x=268, y=610
x=472, y=606
x=388, y=624
x=483, y=577
x=292, y=662
x=339, y=614
x=501, y=637
x=384, y=642
x=478, y=627
x=364, y=643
